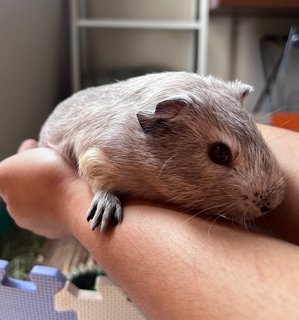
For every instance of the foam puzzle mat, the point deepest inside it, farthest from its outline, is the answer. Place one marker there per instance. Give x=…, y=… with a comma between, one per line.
x=50, y=296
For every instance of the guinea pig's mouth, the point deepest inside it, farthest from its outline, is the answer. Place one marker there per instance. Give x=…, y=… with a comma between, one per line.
x=249, y=213
x=265, y=209
x=261, y=202
x=252, y=212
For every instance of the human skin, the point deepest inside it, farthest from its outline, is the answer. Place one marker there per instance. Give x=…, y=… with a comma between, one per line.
x=172, y=266
x=284, y=221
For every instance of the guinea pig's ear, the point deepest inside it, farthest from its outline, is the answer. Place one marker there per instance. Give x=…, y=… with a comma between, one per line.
x=241, y=89
x=161, y=119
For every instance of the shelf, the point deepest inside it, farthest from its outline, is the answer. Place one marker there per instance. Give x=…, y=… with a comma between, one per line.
x=199, y=26
x=139, y=24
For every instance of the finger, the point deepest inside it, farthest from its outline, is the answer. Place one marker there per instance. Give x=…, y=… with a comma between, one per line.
x=27, y=144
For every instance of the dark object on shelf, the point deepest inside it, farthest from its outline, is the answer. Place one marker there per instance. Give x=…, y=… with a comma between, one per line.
x=6, y=221
x=266, y=4
x=280, y=58
x=285, y=90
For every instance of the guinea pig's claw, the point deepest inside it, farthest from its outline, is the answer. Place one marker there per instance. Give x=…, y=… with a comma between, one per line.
x=118, y=214
x=91, y=211
x=105, y=210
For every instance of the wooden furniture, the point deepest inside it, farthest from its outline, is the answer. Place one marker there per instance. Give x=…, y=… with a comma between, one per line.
x=261, y=4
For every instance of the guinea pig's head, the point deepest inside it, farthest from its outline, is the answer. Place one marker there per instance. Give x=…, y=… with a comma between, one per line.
x=212, y=155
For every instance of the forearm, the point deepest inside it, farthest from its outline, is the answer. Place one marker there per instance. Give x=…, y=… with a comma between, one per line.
x=176, y=269
x=172, y=268
x=284, y=222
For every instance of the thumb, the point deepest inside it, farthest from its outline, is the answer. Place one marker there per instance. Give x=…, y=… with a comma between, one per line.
x=27, y=144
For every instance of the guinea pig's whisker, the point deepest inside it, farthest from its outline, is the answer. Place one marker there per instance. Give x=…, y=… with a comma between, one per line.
x=164, y=165
x=252, y=225
x=213, y=222
x=270, y=113
x=194, y=215
x=219, y=214
x=201, y=211
x=223, y=213
x=282, y=125
x=244, y=224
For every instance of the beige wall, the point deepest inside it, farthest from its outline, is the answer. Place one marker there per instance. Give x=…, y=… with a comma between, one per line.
x=33, y=66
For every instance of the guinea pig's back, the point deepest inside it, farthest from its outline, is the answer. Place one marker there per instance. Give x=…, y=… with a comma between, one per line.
x=92, y=116
x=96, y=112
x=80, y=118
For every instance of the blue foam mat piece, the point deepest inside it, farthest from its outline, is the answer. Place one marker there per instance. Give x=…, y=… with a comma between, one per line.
x=32, y=300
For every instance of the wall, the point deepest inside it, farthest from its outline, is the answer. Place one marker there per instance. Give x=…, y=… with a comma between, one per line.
x=33, y=66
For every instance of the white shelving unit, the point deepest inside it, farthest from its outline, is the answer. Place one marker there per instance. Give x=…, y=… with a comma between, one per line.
x=199, y=25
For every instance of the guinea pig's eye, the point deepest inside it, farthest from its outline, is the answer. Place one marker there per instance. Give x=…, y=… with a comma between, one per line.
x=220, y=154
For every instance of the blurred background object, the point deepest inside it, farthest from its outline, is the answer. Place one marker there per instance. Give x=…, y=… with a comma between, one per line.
x=280, y=57
x=284, y=96
x=285, y=91
x=268, y=4
x=6, y=221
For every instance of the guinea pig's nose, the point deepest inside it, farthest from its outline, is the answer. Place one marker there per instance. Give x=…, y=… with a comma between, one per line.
x=262, y=201
x=265, y=209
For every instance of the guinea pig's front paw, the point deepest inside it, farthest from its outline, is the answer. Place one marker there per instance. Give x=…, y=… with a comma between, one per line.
x=105, y=210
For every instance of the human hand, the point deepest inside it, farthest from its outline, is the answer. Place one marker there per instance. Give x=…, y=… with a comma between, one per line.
x=42, y=191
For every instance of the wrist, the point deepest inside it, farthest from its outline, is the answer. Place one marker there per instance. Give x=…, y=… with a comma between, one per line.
x=79, y=197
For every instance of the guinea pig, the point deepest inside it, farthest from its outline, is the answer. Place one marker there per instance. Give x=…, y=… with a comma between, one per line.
x=174, y=137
